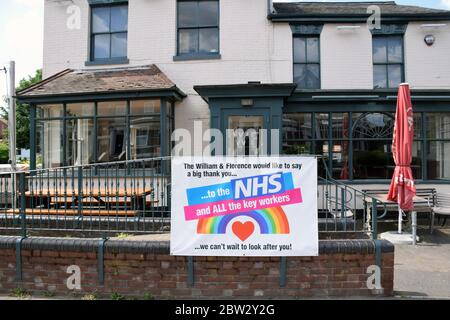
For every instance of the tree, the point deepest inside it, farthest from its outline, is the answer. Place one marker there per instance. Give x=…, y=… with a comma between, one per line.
x=23, y=112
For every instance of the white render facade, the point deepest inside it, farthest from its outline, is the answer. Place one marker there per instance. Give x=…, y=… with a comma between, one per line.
x=256, y=45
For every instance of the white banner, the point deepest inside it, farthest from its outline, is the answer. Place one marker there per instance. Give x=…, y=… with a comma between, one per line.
x=244, y=206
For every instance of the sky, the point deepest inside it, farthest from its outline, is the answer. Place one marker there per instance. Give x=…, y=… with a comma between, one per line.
x=21, y=33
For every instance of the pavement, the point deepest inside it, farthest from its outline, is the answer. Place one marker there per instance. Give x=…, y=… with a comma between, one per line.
x=423, y=271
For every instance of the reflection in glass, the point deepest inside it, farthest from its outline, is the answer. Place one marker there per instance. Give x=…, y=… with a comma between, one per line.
x=322, y=123
x=372, y=159
x=49, y=144
x=299, y=50
x=437, y=160
x=100, y=19
x=102, y=46
x=209, y=40
x=438, y=125
x=112, y=108
x=80, y=142
x=379, y=50
x=119, y=18
x=145, y=137
x=379, y=76
x=49, y=111
x=119, y=45
x=111, y=140
x=145, y=106
x=187, y=14
x=312, y=50
x=297, y=126
x=395, y=50
x=208, y=13
x=188, y=41
x=83, y=109
x=395, y=75
x=244, y=137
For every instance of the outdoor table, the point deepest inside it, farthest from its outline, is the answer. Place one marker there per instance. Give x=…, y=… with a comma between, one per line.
x=100, y=196
x=421, y=204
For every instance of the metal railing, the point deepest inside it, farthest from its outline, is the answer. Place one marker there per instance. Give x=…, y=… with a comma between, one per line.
x=117, y=197
x=133, y=197
x=345, y=210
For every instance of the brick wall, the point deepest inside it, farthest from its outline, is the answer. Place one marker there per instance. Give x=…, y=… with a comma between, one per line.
x=138, y=268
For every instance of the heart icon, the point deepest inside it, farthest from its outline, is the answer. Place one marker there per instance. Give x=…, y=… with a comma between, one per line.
x=243, y=230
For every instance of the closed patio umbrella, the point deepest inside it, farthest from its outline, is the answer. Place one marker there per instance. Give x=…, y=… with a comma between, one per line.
x=403, y=189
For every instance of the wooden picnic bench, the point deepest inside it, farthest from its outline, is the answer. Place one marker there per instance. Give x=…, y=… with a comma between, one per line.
x=424, y=201
x=98, y=201
x=72, y=212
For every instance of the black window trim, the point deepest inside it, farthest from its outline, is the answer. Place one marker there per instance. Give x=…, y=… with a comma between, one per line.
x=197, y=55
x=307, y=36
x=387, y=64
x=105, y=61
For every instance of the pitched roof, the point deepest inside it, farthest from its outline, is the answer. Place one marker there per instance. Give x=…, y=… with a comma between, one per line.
x=388, y=8
x=78, y=82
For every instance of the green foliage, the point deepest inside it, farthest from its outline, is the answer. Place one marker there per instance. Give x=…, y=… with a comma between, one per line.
x=117, y=296
x=4, y=153
x=20, y=293
x=49, y=294
x=91, y=296
x=148, y=296
x=23, y=112
x=123, y=235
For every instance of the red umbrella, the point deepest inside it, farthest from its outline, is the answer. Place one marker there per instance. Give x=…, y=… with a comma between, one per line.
x=403, y=188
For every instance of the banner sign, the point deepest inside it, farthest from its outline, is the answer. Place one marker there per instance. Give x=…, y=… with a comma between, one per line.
x=244, y=206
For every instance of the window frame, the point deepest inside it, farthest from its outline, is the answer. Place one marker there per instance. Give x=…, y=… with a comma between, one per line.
x=92, y=34
x=95, y=117
x=387, y=63
x=196, y=55
x=306, y=37
x=420, y=138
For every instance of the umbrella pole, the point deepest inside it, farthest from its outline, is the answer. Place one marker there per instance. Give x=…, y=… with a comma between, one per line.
x=400, y=213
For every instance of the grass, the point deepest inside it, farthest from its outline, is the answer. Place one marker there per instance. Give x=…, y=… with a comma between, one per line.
x=148, y=296
x=49, y=294
x=91, y=296
x=123, y=235
x=117, y=297
x=20, y=293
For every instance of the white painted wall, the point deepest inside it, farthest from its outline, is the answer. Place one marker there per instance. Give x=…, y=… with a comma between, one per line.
x=427, y=67
x=252, y=48
x=346, y=57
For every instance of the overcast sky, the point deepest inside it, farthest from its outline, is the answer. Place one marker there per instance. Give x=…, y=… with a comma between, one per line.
x=21, y=33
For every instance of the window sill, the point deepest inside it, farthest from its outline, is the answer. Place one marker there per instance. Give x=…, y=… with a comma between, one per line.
x=106, y=62
x=186, y=57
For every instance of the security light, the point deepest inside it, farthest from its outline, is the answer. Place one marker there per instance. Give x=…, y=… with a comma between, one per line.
x=429, y=39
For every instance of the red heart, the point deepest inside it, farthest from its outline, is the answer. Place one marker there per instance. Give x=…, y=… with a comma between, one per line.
x=243, y=230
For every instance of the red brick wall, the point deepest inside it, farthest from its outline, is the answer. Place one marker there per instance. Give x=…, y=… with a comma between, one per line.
x=164, y=276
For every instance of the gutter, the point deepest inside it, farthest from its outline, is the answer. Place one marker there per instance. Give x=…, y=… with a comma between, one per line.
x=295, y=17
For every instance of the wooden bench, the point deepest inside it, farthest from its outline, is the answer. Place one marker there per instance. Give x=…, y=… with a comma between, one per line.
x=66, y=196
x=441, y=208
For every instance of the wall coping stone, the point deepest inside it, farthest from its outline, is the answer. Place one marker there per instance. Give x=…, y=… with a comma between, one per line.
x=163, y=247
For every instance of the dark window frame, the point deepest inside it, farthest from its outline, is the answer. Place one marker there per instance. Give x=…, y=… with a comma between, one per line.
x=313, y=141
x=196, y=55
x=387, y=63
x=92, y=34
x=306, y=63
x=95, y=117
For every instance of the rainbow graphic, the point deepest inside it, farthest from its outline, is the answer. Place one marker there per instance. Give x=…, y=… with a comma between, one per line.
x=270, y=221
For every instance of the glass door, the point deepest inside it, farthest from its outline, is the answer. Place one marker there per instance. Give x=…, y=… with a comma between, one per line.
x=245, y=134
